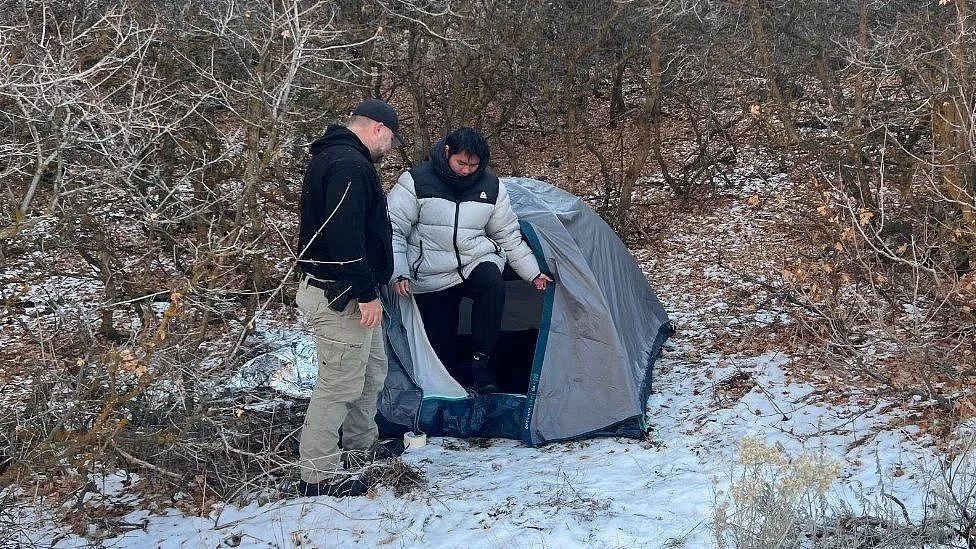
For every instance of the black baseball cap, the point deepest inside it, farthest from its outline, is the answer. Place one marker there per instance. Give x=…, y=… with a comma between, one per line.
x=381, y=111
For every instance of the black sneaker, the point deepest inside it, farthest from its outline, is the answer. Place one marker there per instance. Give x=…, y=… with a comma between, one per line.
x=351, y=487
x=483, y=377
x=390, y=448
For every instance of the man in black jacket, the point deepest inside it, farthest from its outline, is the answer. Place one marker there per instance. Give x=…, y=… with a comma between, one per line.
x=345, y=252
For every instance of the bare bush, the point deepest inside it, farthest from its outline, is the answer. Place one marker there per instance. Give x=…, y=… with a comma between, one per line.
x=782, y=501
x=884, y=284
x=151, y=155
x=954, y=491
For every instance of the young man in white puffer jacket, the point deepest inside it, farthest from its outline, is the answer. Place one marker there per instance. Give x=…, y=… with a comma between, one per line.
x=453, y=231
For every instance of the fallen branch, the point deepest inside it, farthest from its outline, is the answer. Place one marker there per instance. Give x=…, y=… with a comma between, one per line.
x=134, y=460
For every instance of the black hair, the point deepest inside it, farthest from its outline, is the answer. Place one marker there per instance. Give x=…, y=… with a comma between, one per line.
x=468, y=140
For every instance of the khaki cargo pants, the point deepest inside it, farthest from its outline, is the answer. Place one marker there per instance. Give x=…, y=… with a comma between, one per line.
x=352, y=369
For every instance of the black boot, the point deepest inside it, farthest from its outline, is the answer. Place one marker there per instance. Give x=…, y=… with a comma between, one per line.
x=390, y=448
x=351, y=486
x=482, y=376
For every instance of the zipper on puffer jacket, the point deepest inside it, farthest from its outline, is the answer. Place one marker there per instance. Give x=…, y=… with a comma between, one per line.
x=498, y=249
x=415, y=268
x=457, y=251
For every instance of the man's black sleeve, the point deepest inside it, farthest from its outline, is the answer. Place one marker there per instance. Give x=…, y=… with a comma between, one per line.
x=345, y=234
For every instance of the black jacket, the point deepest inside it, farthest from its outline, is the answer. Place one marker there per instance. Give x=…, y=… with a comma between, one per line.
x=358, y=233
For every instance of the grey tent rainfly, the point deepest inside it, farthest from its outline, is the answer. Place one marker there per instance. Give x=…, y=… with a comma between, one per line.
x=575, y=361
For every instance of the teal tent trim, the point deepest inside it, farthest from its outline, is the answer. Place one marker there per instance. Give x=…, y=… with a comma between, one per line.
x=631, y=427
x=627, y=428
x=543, y=338
x=665, y=332
x=494, y=415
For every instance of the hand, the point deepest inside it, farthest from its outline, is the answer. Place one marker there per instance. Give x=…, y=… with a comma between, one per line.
x=402, y=287
x=370, y=314
x=541, y=282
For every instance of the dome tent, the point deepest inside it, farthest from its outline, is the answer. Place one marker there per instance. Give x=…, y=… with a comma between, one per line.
x=574, y=361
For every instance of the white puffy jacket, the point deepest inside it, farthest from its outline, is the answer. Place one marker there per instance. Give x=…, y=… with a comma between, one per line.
x=442, y=232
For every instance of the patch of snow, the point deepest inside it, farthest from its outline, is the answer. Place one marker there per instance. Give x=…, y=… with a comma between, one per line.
x=593, y=493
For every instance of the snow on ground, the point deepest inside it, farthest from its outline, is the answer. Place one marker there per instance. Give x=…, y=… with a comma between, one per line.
x=723, y=377
x=597, y=493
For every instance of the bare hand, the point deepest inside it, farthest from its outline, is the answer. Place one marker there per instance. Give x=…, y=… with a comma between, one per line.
x=370, y=314
x=402, y=287
x=541, y=281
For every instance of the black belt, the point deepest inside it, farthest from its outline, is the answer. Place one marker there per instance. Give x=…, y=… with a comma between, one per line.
x=320, y=284
x=338, y=299
x=324, y=285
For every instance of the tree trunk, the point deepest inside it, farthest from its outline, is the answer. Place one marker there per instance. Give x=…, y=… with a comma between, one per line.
x=856, y=179
x=419, y=95
x=569, y=142
x=769, y=70
x=649, y=116
x=617, y=104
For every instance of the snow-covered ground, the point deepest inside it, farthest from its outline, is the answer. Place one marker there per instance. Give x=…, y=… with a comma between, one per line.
x=597, y=493
x=721, y=379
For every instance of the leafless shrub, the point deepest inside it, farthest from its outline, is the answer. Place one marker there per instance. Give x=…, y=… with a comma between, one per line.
x=777, y=500
x=954, y=491
x=396, y=475
x=151, y=146
x=884, y=284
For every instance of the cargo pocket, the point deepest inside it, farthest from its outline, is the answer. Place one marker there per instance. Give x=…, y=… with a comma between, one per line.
x=342, y=368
